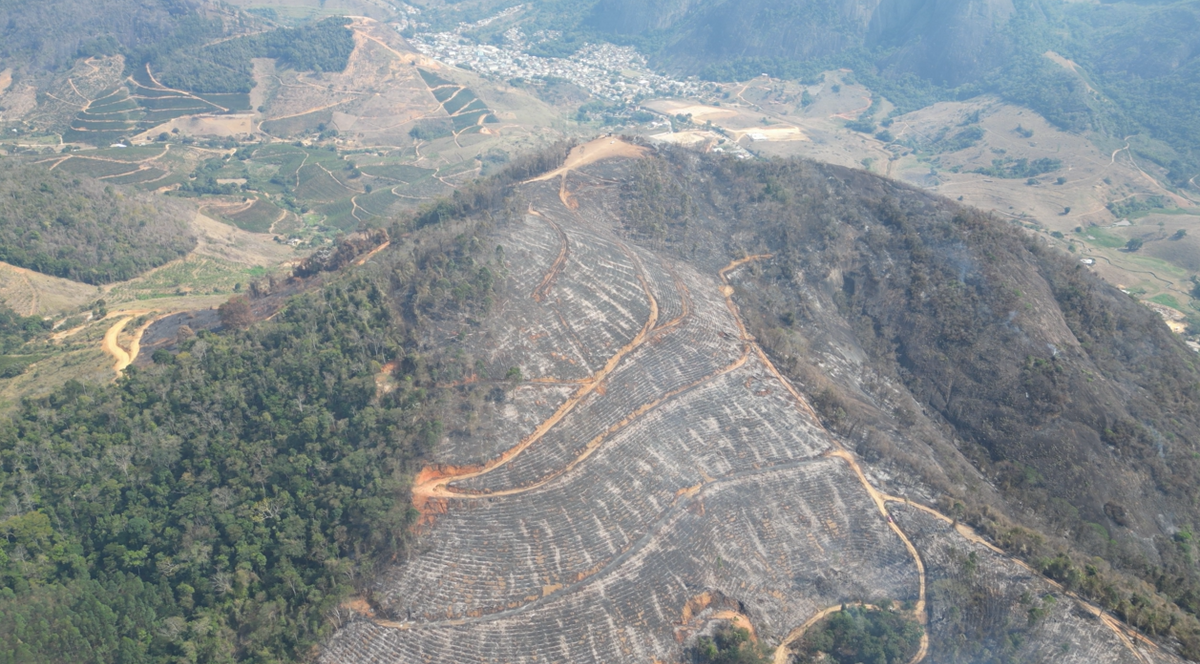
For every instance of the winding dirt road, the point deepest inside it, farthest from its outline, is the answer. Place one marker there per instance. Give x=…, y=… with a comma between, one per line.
x=783, y=652
x=112, y=346
x=432, y=489
x=431, y=483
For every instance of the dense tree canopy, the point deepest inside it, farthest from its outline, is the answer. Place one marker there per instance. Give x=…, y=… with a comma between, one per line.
x=81, y=229
x=220, y=504
x=226, y=66
x=861, y=636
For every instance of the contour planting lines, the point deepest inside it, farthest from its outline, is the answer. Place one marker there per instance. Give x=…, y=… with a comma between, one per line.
x=674, y=476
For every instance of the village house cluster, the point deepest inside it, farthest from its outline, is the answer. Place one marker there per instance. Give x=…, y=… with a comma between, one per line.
x=609, y=72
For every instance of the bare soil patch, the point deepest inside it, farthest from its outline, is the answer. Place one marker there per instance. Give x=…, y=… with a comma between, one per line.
x=204, y=125
x=590, y=153
x=233, y=244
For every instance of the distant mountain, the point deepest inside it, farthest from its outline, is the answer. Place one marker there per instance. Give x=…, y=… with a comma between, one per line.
x=1135, y=63
x=941, y=39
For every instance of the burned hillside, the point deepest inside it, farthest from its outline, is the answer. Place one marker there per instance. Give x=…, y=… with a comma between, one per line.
x=658, y=425
x=966, y=360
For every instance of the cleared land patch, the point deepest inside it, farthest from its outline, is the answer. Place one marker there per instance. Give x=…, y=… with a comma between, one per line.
x=659, y=474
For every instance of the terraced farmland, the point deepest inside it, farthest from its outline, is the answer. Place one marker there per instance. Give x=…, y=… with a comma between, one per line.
x=140, y=103
x=467, y=112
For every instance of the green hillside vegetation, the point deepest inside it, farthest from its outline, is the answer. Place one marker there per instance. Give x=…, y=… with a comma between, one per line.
x=185, y=45
x=858, y=635
x=170, y=34
x=142, y=527
x=17, y=330
x=81, y=229
x=728, y=645
x=226, y=67
x=464, y=108
x=39, y=37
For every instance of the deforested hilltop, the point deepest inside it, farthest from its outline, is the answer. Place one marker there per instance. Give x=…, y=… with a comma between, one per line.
x=657, y=472
x=83, y=229
x=602, y=411
x=1049, y=409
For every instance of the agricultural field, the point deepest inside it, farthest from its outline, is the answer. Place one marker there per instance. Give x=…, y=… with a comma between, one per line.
x=306, y=155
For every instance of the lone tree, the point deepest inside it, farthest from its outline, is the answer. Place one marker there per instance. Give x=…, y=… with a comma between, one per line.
x=235, y=313
x=1134, y=244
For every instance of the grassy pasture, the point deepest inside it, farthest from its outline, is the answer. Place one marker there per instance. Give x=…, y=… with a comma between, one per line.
x=85, y=125
x=340, y=215
x=289, y=126
x=445, y=94
x=142, y=92
x=155, y=118
x=476, y=105
x=132, y=153
x=120, y=105
x=192, y=276
x=379, y=202
x=1102, y=237
x=460, y=101
x=433, y=80
x=1166, y=300
x=231, y=101
x=91, y=137
x=465, y=120
x=178, y=103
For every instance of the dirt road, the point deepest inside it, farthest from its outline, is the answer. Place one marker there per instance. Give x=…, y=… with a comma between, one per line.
x=112, y=346
x=432, y=486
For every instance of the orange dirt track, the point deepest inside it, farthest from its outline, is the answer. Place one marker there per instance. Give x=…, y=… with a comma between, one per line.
x=431, y=490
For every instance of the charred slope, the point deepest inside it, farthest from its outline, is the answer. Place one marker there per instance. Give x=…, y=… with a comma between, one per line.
x=952, y=347
x=628, y=466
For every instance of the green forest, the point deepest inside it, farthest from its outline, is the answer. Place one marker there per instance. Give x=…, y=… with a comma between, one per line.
x=220, y=503
x=728, y=645
x=226, y=67
x=81, y=229
x=860, y=636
